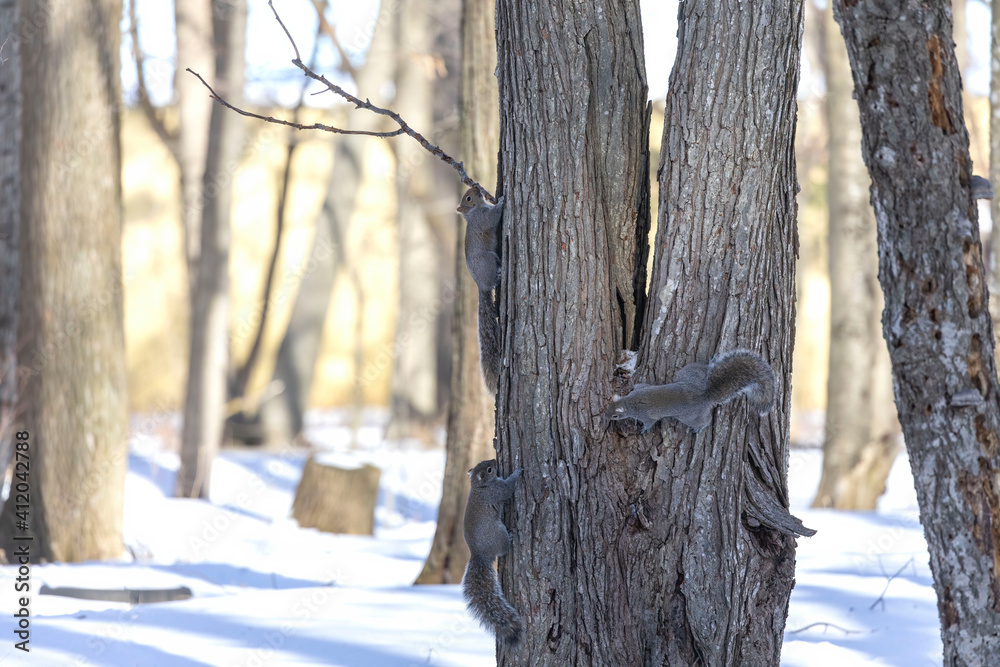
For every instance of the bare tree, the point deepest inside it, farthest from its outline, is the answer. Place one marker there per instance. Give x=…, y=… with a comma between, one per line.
x=195, y=49
x=470, y=410
x=667, y=548
x=860, y=443
x=414, y=391
x=936, y=322
x=282, y=416
x=208, y=363
x=73, y=402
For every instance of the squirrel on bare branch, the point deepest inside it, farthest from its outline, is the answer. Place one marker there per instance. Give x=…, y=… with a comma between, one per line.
x=697, y=388
x=482, y=255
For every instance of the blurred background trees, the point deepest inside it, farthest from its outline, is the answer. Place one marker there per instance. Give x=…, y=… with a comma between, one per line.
x=356, y=309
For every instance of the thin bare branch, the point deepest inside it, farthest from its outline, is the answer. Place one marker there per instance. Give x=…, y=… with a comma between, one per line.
x=404, y=128
x=881, y=598
x=166, y=136
x=826, y=626
x=297, y=126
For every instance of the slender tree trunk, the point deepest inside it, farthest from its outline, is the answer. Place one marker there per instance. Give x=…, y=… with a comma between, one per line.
x=282, y=416
x=856, y=457
x=936, y=322
x=208, y=365
x=470, y=410
x=73, y=365
x=10, y=220
x=414, y=378
x=632, y=550
x=195, y=50
x=994, y=254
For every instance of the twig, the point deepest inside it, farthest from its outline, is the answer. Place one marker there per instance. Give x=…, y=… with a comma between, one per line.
x=404, y=128
x=825, y=627
x=166, y=136
x=881, y=598
x=297, y=126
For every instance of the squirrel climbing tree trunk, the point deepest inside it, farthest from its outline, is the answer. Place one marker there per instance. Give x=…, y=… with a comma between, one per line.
x=664, y=548
x=936, y=321
x=470, y=410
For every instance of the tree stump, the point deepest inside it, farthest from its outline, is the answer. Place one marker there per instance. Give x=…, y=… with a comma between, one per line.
x=337, y=498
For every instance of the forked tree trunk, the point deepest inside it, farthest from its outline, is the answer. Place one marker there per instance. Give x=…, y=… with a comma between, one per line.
x=208, y=364
x=936, y=321
x=10, y=220
x=857, y=453
x=73, y=362
x=470, y=411
x=670, y=548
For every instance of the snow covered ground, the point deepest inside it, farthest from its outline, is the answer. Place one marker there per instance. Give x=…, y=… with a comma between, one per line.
x=267, y=592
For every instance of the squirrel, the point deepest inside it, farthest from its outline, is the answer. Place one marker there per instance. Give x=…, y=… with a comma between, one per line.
x=487, y=539
x=697, y=388
x=482, y=254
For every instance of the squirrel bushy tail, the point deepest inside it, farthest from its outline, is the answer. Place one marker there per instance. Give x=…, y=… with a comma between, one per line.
x=485, y=599
x=489, y=340
x=741, y=372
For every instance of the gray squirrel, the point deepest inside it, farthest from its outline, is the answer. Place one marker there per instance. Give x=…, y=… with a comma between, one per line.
x=482, y=255
x=697, y=388
x=488, y=539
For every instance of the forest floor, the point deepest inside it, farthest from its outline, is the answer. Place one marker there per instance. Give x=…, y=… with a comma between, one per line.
x=266, y=592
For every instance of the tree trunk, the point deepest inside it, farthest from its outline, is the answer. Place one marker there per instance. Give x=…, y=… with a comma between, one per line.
x=195, y=50
x=205, y=399
x=73, y=401
x=936, y=321
x=282, y=416
x=414, y=374
x=994, y=254
x=637, y=551
x=10, y=221
x=856, y=457
x=470, y=410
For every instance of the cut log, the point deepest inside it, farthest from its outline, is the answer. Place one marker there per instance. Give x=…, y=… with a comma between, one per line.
x=337, y=498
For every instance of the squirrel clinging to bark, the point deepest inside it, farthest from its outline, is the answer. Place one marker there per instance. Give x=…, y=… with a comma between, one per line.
x=488, y=539
x=482, y=255
x=697, y=388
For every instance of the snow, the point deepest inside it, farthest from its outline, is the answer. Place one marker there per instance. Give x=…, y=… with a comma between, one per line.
x=266, y=592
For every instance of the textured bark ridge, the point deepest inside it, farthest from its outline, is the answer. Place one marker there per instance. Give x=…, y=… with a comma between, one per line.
x=633, y=551
x=936, y=321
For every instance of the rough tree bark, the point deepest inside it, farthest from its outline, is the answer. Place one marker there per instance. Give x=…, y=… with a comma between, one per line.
x=414, y=374
x=936, y=322
x=10, y=220
x=470, y=410
x=73, y=398
x=994, y=254
x=635, y=550
x=859, y=446
x=208, y=364
x=282, y=416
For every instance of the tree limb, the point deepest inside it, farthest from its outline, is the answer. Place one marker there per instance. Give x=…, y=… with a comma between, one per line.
x=404, y=128
x=166, y=136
